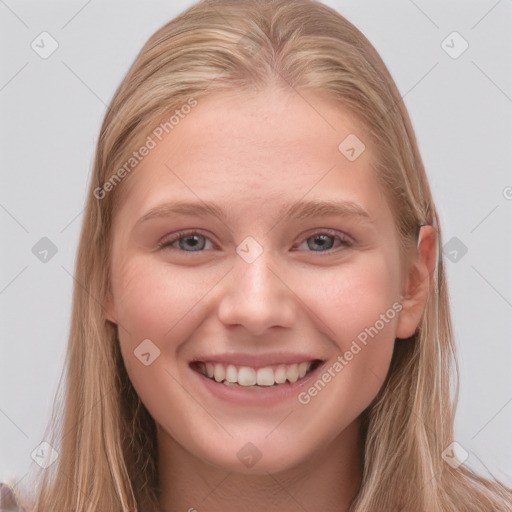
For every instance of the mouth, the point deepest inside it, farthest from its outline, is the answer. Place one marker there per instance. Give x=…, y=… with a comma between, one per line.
x=248, y=377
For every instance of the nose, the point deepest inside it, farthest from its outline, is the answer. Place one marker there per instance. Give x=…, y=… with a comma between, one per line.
x=258, y=296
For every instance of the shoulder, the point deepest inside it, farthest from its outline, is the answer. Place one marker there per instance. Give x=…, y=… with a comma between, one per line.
x=9, y=498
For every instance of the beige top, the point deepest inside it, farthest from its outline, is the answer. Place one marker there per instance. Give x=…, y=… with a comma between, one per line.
x=10, y=500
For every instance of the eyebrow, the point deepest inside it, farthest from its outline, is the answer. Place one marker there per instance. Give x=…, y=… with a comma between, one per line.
x=300, y=210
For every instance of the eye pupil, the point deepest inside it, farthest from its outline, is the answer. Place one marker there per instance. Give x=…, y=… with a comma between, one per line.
x=324, y=241
x=193, y=240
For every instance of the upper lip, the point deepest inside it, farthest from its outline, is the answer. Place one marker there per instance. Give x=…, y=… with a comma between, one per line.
x=256, y=361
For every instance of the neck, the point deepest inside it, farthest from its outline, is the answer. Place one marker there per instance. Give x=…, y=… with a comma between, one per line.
x=328, y=480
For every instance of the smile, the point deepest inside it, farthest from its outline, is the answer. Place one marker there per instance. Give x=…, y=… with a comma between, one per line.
x=249, y=377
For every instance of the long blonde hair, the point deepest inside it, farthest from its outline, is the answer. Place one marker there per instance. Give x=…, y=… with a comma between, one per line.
x=105, y=437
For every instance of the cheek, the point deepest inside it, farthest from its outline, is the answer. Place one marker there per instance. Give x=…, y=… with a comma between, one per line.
x=156, y=302
x=356, y=309
x=358, y=292
x=152, y=299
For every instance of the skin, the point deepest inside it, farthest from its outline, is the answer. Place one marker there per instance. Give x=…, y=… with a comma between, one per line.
x=251, y=154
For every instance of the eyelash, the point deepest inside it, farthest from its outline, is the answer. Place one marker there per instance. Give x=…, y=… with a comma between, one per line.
x=344, y=239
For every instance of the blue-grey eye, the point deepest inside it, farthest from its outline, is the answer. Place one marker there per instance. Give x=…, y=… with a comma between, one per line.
x=322, y=241
x=186, y=242
x=193, y=242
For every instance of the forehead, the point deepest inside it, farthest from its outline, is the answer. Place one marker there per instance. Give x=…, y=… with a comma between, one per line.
x=268, y=125
x=249, y=150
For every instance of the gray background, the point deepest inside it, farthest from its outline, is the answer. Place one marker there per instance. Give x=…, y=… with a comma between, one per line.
x=51, y=110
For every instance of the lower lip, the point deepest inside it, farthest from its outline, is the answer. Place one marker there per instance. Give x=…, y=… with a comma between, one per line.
x=250, y=396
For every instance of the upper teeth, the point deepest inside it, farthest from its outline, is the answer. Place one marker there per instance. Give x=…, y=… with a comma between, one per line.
x=247, y=376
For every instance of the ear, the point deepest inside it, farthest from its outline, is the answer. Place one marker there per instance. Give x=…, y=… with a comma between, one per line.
x=418, y=282
x=109, y=308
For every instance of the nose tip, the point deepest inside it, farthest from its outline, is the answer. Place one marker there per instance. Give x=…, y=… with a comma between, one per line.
x=257, y=296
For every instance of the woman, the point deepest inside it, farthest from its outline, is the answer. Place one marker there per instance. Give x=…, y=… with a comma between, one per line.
x=257, y=373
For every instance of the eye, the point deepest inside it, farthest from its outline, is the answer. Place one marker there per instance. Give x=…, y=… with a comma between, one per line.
x=186, y=241
x=323, y=241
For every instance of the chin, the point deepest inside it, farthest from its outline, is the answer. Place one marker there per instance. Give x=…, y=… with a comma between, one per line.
x=254, y=458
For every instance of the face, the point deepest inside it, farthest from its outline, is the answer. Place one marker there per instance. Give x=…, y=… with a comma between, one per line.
x=284, y=260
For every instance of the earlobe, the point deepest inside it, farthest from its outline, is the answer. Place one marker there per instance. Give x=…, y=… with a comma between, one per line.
x=418, y=283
